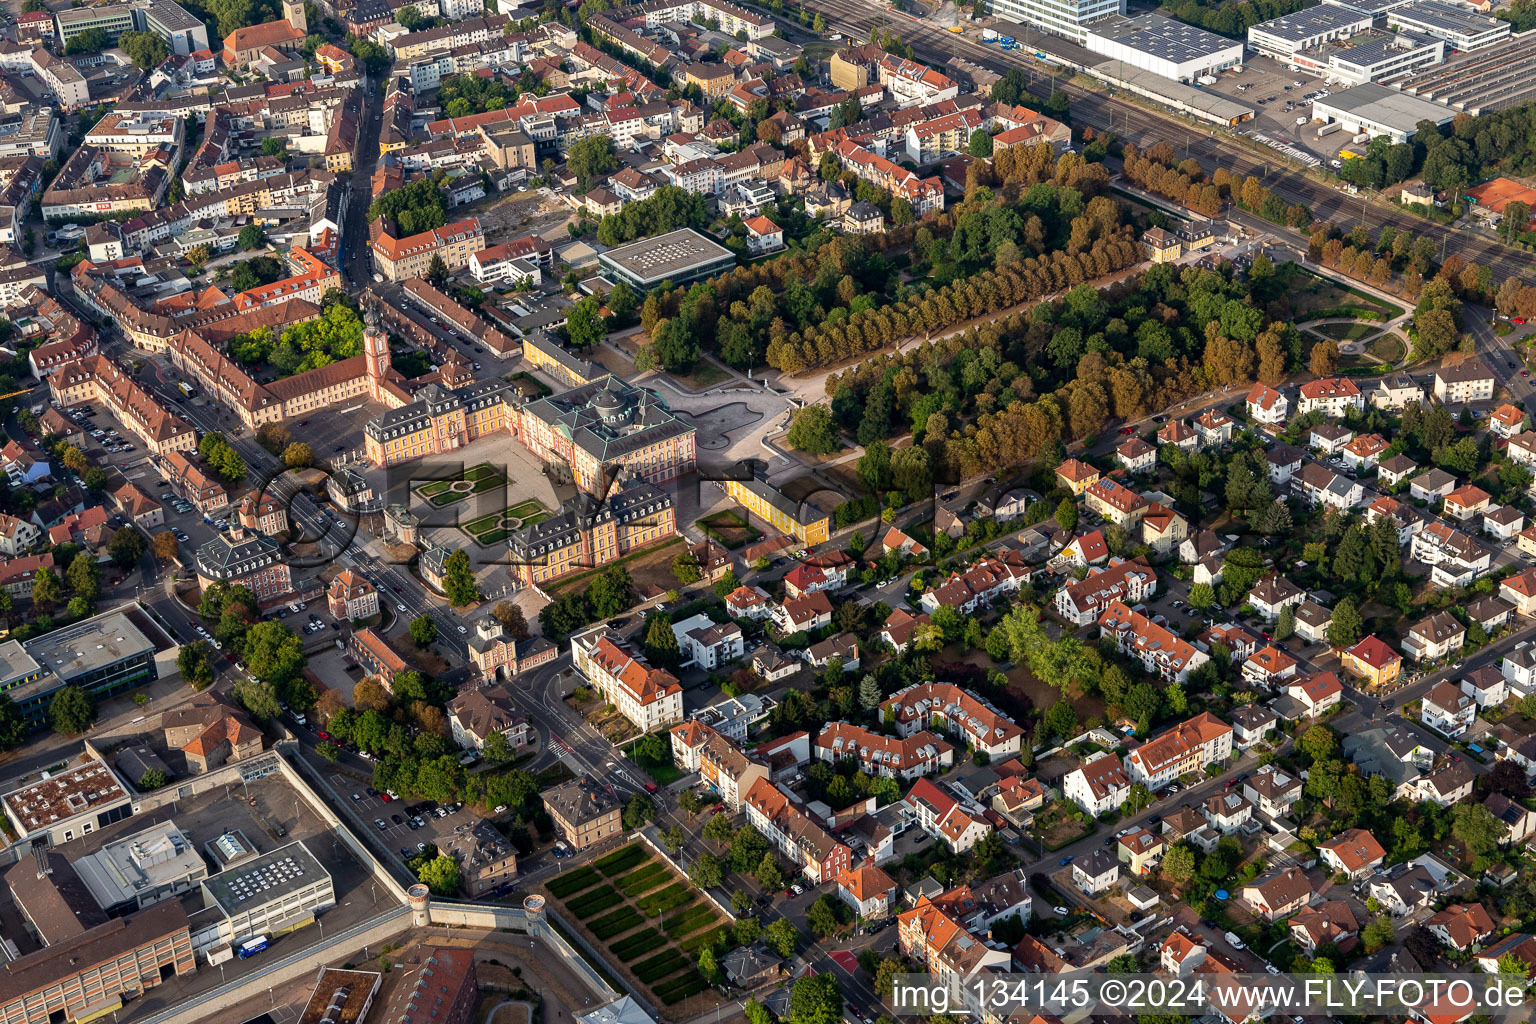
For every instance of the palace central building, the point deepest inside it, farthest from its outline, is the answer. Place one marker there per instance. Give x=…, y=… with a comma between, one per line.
x=604, y=422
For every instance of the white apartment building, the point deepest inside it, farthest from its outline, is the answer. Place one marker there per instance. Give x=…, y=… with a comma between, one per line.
x=1187, y=747
x=649, y=697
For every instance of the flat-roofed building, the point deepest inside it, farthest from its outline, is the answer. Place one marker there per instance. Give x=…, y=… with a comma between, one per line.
x=1163, y=46
x=113, y=19
x=1378, y=110
x=678, y=256
x=67, y=804
x=142, y=869
x=1461, y=28
x=104, y=655
x=341, y=996
x=276, y=891
x=1307, y=29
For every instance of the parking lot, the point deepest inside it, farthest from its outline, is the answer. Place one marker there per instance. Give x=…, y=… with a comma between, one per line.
x=1279, y=97
x=405, y=828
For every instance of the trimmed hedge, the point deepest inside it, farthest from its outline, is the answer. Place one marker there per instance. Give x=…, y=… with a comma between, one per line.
x=648, y=877
x=674, y=895
x=658, y=967
x=690, y=920
x=696, y=942
x=564, y=885
x=621, y=920
x=620, y=861
x=679, y=989
x=604, y=897
x=637, y=945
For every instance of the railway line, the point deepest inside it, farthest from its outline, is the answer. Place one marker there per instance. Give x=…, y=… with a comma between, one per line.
x=1144, y=127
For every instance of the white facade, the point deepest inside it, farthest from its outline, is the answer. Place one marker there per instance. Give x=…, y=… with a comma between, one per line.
x=1067, y=18
x=1163, y=46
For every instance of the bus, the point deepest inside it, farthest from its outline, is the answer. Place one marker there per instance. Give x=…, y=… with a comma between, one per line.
x=185, y=388
x=251, y=947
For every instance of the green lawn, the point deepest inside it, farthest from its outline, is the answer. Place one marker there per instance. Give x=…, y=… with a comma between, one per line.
x=524, y=509
x=1388, y=348
x=1346, y=332
x=482, y=477
x=730, y=529
x=487, y=529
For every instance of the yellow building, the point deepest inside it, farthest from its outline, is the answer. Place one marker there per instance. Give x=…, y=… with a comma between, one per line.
x=1373, y=662
x=590, y=532
x=799, y=519
x=1162, y=245
x=714, y=80
x=1076, y=476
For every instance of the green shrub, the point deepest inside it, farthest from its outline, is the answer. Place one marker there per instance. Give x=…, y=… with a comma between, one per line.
x=621, y=860
x=562, y=886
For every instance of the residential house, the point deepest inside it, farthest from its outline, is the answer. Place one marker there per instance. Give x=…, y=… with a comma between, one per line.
x=1139, y=851
x=1179, y=434
x=1353, y=852
x=1447, y=709
x=1267, y=405
x=1432, y=485
x=1278, y=894
x=475, y=714
x=1330, y=923
x=870, y=891
x=1332, y=396
x=1250, y=722
x=1226, y=812
x=1269, y=666
x=1363, y=452
x=1467, y=501
x=1096, y=872
x=1163, y=529
x=1462, y=926
x=1506, y=421
x=1159, y=650
x=1329, y=438
x=1085, y=600
x=1187, y=747
x=954, y=710
x=902, y=758
x=1137, y=456
x=1486, y=686
x=795, y=834
x=1503, y=522
x=802, y=614
x=1115, y=502
x=1467, y=381
x=1437, y=636
x=1076, y=476
x=1098, y=785
x=1284, y=463
x=1272, y=594
x=749, y=603
x=1372, y=661
x=1273, y=791
x=1214, y=427
x=651, y=698
x=1454, y=558
x=1317, y=693
x=1520, y=591
x=1396, y=391
x=960, y=826
x=1312, y=621
x=1394, y=470
x=1320, y=486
